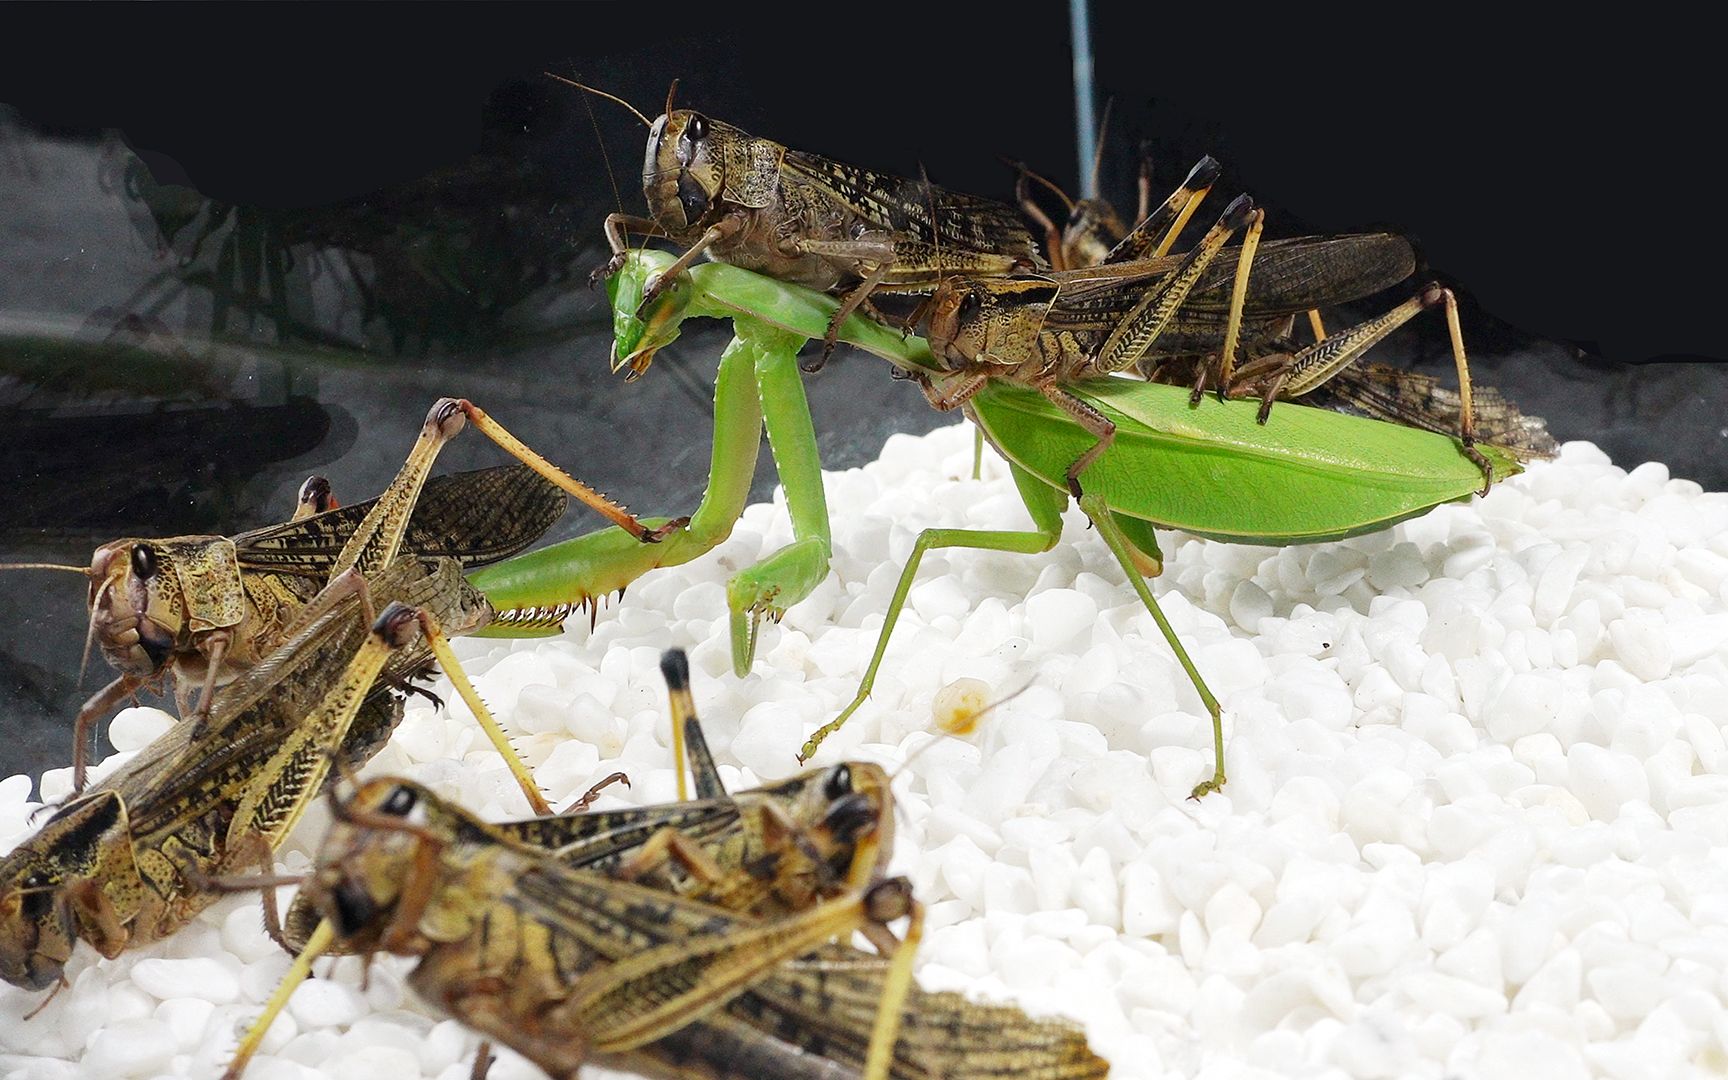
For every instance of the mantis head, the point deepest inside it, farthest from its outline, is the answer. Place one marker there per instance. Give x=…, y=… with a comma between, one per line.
x=636, y=338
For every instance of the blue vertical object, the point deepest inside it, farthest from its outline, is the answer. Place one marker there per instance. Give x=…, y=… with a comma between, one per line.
x=1086, y=128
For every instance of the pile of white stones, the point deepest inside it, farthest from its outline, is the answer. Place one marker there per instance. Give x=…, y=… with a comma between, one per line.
x=1475, y=824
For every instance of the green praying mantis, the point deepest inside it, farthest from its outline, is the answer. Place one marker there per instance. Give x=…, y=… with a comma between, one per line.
x=1211, y=469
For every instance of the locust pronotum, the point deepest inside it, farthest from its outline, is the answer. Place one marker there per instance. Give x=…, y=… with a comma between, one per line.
x=1305, y=475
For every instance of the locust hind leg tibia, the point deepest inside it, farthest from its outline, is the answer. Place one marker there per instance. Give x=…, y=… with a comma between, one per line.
x=1293, y=375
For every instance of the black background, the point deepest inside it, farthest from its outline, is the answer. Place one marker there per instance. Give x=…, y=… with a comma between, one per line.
x=1561, y=171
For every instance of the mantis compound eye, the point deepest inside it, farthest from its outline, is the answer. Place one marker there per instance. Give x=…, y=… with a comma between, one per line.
x=143, y=562
x=838, y=783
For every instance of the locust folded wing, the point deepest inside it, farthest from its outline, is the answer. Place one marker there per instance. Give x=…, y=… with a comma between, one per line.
x=824, y=1004
x=476, y=518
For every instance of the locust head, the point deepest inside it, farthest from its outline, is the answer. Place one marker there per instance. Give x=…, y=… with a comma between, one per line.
x=952, y=324
x=695, y=167
x=137, y=610
x=148, y=597
x=831, y=829
x=377, y=876
x=76, y=871
x=36, y=929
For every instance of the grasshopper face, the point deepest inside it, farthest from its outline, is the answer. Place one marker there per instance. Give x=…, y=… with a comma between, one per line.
x=148, y=597
x=40, y=881
x=1093, y=229
x=137, y=613
x=369, y=876
x=971, y=321
x=684, y=171
x=36, y=932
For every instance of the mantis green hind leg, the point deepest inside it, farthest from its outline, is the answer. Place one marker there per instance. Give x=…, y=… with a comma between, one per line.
x=1109, y=526
x=757, y=386
x=1045, y=505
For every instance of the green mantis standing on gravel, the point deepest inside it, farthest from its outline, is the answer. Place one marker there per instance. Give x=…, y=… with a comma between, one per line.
x=1304, y=476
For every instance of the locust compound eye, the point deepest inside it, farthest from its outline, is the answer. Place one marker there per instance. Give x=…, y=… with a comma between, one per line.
x=851, y=818
x=695, y=130
x=143, y=562
x=970, y=305
x=400, y=800
x=35, y=898
x=354, y=908
x=837, y=783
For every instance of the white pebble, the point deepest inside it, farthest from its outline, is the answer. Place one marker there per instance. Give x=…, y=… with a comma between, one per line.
x=132, y=729
x=130, y=1048
x=197, y=977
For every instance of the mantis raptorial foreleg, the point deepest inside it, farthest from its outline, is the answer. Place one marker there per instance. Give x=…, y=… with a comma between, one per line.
x=758, y=386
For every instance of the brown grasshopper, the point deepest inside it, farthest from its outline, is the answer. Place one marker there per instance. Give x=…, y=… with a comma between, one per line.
x=207, y=608
x=133, y=860
x=764, y=852
x=805, y=218
x=125, y=864
x=567, y=966
x=1253, y=313
x=1080, y=324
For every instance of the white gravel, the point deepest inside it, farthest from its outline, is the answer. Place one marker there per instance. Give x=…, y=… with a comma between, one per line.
x=1475, y=823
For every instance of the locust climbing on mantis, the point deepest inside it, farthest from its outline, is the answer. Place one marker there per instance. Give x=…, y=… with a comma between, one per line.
x=800, y=217
x=1245, y=309
x=1303, y=476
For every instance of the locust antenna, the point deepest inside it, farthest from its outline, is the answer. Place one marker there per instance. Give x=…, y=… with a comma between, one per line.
x=671, y=92
x=90, y=634
x=1067, y=203
x=85, y=570
x=647, y=123
x=600, y=140
x=1098, y=151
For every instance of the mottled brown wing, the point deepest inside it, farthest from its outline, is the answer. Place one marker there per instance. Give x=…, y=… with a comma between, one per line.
x=825, y=1004
x=1289, y=276
x=475, y=517
x=925, y=213
x=1405, y=397
x=828, y=1001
